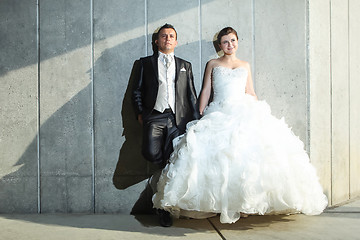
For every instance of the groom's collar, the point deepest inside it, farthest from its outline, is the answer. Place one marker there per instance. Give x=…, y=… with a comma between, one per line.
x=161, y=54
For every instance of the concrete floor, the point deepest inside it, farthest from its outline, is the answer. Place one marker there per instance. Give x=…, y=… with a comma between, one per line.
x=342, y=222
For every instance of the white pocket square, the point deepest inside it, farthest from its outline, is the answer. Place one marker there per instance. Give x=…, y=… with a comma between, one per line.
x=183, y=70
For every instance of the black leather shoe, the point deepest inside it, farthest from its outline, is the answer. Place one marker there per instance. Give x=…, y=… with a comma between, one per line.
x=165, y=218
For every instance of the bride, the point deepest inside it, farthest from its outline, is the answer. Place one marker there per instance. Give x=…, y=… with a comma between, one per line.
x=237, y=159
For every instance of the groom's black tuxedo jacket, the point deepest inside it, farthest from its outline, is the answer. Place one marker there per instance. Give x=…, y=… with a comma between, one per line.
x=146, y=84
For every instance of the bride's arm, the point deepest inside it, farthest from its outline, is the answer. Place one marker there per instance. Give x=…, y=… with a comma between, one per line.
x=206, y=88
x=249, y=83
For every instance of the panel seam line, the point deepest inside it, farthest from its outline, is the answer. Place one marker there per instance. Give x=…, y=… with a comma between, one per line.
x=93, y=162
x=38, y=107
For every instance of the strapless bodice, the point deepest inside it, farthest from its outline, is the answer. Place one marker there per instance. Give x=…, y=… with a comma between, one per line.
x=228, y=84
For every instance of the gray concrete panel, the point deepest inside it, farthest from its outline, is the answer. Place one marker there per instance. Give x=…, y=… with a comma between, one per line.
x=79, y=194
x=18, y=106
x=67, y=194
x=354, y=86
x=119, y=41
x=320, y=91
x=54, y=194
x=18, y=35
x=110, y=200
x=18, y=194
x=65, y=106
x=280, y=53
x=340, y=101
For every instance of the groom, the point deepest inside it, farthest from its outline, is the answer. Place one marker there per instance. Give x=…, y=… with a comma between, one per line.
x=165, y=101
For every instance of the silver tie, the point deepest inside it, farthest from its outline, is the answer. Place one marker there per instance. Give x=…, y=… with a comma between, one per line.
x=170, y=98
x=167, y=59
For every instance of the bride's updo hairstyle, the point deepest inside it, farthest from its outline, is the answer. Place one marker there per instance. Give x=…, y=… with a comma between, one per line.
x=224, y=32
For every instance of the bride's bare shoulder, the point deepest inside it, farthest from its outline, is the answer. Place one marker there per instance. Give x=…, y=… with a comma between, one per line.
x=212, y=64
x=244, y=63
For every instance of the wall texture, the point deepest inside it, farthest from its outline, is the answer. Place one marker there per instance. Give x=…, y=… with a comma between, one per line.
x=334, y=64
x=69, y=141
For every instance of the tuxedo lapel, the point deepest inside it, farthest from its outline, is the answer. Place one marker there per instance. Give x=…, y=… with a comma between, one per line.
x=154, y=63
x=177, y=68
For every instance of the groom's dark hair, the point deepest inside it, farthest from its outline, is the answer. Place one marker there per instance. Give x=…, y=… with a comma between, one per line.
x=155, y=36
x=166, y=25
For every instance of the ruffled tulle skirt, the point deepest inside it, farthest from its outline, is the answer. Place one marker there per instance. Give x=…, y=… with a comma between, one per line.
x=239, y=158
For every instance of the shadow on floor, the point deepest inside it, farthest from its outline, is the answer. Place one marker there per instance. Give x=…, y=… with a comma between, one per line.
x=145, y=223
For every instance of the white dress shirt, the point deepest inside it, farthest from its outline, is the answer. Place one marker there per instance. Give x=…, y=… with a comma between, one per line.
x=166, y=93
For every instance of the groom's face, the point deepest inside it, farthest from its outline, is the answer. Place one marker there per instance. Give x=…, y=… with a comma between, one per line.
x=166, y=41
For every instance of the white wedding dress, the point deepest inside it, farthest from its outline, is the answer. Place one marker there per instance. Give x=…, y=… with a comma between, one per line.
x=238, y=158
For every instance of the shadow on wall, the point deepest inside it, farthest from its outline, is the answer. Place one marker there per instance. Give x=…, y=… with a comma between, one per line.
x=66, y=136
x=12, y=13
x=133, y=135
x=130, y=152
x=131, y=149
x=65, y=148
x=65, y=164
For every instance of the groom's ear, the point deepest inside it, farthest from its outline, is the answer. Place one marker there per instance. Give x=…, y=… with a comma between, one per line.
x=156, y=42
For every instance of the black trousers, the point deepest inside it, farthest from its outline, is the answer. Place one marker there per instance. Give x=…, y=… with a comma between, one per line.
x=159, y=129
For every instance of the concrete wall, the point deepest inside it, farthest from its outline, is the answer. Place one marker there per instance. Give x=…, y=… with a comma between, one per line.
x=69, y=141
x=18, y=106
x=334, y=61
x=354, y=98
